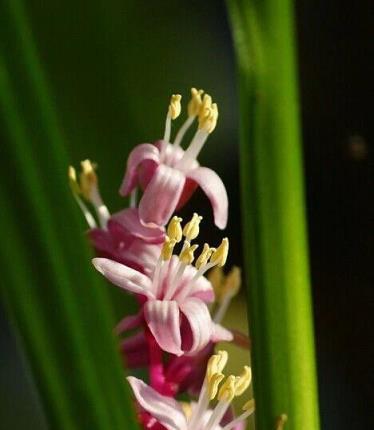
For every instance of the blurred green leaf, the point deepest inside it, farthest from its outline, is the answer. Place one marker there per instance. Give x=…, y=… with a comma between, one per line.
x=273, y=214
x=60, y=309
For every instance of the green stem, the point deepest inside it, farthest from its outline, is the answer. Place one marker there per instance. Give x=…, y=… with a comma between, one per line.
x=273, y=214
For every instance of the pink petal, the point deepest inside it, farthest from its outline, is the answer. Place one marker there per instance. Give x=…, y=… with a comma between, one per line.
x=161, y=196
x=215, y=190
x=129, y=323
x=128, y=220
x=140, y=153
x=221, y=334
x=200, y=323
x=165, y=409
x=162, y=317
x=124, y=277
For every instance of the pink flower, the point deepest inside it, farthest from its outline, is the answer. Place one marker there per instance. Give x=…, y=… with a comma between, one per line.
x=175, y=311
x=198, y=416
x=176, y=294
x=169, y=175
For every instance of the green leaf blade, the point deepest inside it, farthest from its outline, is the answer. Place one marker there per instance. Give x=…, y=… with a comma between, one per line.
x=273, y=214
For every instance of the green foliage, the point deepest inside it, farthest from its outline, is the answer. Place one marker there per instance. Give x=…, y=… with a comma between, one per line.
x=273, y=213
x=54, y=298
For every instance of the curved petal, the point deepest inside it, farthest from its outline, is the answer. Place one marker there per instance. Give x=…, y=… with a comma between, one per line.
x=161, y=196
x=200, y=323
x=162, y=317
x=128, y=220
x=124, y=277
x=140, y=153
x=166, y=410
x=215, y=190
x=221, y=334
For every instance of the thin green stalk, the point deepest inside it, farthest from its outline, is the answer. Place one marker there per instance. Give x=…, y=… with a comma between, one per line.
x=275, y=243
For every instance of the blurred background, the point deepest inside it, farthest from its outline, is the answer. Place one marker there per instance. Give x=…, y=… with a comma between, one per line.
x=111, y=67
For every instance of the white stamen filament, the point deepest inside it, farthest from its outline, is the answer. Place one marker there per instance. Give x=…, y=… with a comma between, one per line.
x=240, y=418
x=182, y=131
x=222, y=309
x=201, y=406
x=87, y=214
x=187, y=289
x=217, y=415
x=175, y=280
x=167, y=129
x=193, y=150
x=101, y=210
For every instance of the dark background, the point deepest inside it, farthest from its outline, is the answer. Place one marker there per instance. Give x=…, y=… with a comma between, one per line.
x=111, y=69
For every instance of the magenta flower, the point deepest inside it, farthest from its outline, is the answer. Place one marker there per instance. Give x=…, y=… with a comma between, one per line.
x=168, y=174
x=176, y=295
x=173, y=415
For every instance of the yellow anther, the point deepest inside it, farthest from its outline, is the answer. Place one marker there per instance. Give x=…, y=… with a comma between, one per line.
x=186, y=408
x=88, y=178
x=75, y=188
x=243, y=381
x=187, y=254
x=232, y=282
x=205, y=107
x=208, y=122
x=216, y=363
x=191, y=229
x=281, y=421
x=249, y=406
x=167, y=248
x=212, y=366
x=195, y=103
x=219, y=256
x=204, y=256
x=174, y=230
x=227, y=391
x=175, y=106
x=213, y=384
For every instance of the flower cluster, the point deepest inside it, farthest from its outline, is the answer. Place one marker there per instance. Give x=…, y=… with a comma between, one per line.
x=152, y=254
